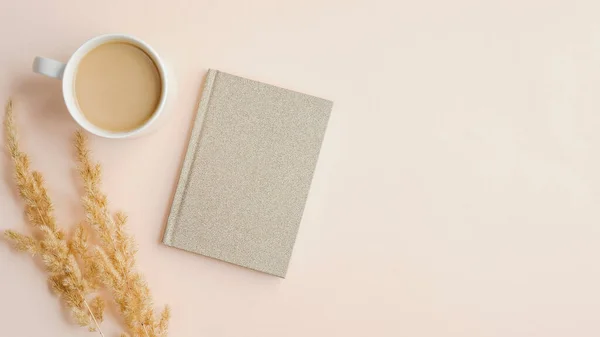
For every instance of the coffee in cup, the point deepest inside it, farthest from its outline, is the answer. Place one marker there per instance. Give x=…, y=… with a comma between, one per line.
x=117, y=86
x=114, y=86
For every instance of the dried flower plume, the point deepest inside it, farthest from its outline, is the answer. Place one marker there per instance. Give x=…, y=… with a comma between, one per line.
x=115, y=256
x=70, y=270
x=76, y=266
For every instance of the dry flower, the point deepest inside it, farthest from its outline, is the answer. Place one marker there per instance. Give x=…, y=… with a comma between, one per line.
x=59, y=254
x=115, y=256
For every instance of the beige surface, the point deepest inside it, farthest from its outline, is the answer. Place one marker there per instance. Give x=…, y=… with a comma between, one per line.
x=458, y=186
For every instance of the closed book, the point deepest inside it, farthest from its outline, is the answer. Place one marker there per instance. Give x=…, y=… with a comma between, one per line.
x=247, y=172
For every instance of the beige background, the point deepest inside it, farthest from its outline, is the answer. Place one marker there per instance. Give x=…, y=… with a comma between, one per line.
x=458, y=184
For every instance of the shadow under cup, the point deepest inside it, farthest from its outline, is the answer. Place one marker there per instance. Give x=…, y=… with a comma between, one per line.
x=115, y=86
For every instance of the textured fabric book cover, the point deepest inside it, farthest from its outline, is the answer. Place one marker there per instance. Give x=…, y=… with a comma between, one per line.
x=247, y=172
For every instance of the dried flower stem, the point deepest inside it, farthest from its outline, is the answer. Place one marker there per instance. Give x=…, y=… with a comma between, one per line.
x=94, y=318
x=146, y=330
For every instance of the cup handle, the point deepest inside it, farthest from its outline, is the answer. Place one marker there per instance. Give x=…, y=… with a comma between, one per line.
x=49, y=67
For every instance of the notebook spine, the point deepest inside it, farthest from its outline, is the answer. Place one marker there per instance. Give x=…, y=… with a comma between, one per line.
x=190, y=156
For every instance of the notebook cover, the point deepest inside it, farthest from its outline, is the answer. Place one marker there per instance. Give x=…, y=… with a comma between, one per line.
x=247, y=172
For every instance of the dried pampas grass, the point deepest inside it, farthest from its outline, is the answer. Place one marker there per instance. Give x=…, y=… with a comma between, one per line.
x=76, y=266
x=115, y=255
x=71, y=280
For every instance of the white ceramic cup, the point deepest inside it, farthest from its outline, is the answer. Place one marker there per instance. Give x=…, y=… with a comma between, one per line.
x=66, y=72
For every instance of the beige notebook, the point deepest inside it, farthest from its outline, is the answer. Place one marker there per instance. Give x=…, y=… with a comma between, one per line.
x=247, y=172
